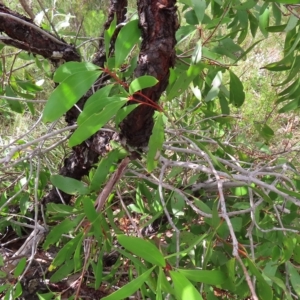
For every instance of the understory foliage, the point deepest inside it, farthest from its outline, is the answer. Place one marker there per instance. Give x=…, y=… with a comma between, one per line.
x=200, y=213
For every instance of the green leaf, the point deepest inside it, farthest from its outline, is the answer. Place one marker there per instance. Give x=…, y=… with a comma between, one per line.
x=264, y=290
x=68, y=93
x=72, y=67
x=141, y=83
x=63, y=272
x=213, y=277
x=294, y=104
x=127, y=38
x=108, y=35
x=67, y=250
x=124, y=112
x=264, y=20
x=199, y=7
x=142, y=248
x=20, y=267
x=55, y=234
x=96, y=103
x=69, y=185
x=237, y=94
x=184, y=289
x=284, y=1
x=254, y=23
x=155, y=142
x=294, y=277
x=95, y=122
x=94, y=217
x=183, y=81
x=14, y=105
x=130, y=288
x=103, y=169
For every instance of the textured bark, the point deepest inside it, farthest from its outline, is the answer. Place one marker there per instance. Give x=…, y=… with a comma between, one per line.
x=24, y=34
x=158, y=22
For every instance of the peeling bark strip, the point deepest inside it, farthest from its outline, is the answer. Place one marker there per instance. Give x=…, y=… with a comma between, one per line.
x=24, y=34
x=158, y=22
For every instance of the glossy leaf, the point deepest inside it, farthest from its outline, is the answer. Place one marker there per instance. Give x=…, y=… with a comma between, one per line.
x=69, y=185
x=130, y=288
x=72, y=67
x=184, y=289
x=127, y=38
x=141, y=83
x=103, y=169
x=142, y=248
x=95, y=121
x=66, y=251
x=20, y=267
x=56, y=232
x=68, y=93
x=237, y=94
x=155, y=143
x=213, y=277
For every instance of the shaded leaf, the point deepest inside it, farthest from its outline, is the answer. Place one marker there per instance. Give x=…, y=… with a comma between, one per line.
x=68, y=93
x=142, y=248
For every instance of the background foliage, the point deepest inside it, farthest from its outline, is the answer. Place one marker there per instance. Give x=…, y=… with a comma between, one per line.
x=210, y=210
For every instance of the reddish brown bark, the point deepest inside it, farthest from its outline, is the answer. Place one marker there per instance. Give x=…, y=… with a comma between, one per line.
x=24, y=34
x=158, y=22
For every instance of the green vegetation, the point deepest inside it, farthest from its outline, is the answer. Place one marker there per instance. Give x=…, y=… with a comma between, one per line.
x=208, y=210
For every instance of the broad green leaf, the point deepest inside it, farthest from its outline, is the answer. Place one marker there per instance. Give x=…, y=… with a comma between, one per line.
x=292, y=23
x=62, y=209
x=293, y=105
x=94, y=217
x=142, y=248
x=130, y=288
x=199, y=7
x=183, y=81
x=124, y=112
x=68, y=93
x=63, y=272
x=254, y=23
x=72, y=67
x=28, y=86
x=155, y=142
x=264, y=20
x=244, y=6
x=127, y=38
x=99, y=270
x=103, y=169
x=96, y=103
x=284, y=1
x=95, y=121
x=69, y=185
x=282, y=65
x=264, y=290
x=67, y=251
x=141, y=83
x=237, y=94
x=46, y=296
x=184, y=289
x=14, y=105
x=55, y=233
x=20, y=267
x=294, y=277
x=108, y=35
x=213, y=277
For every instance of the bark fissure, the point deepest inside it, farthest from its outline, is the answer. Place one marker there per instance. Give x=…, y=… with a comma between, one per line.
x=158, y=23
